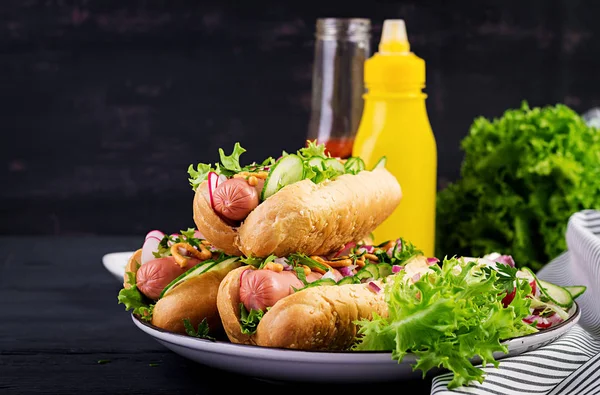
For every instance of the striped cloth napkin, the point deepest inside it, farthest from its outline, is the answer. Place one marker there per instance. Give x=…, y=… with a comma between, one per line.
x=571, y=364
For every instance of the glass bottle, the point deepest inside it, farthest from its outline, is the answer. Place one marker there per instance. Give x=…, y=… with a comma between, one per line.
x=341, y=48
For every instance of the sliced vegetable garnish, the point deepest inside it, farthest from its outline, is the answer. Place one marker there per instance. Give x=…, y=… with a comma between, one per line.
x=149, y=248
x=552, y=292
x=195, y=271
x=335, y=164
x=575, y=290
x=380, y=163
x=213, y=183
x=287, y=170
x=354, y=165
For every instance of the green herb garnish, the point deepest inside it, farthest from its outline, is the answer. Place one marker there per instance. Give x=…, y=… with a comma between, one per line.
x=202, y=332
x=134, y=300
x=249, y=320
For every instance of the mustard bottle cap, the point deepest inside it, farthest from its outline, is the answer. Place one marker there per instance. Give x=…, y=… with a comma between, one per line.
x=394, y=66
x=393, y=37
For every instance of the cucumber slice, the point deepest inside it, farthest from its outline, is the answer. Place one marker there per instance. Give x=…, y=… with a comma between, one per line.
x=315, y=161
x=197, y=270
x=380, y=163
x=287, y=170
x=575, y=290
x=370, y=270
x=354, y=165
x=348, y=280
x=556, y=293
x=385, y=269
x=336, y=164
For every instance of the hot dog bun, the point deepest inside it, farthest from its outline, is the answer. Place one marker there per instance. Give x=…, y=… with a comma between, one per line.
x=212, y=227
x=305, y=217
x=194, y=299
x=133, y=264
x=316, y=318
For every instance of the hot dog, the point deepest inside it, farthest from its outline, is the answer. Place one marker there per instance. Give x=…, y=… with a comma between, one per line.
x=301, y=308
x=234, y=199
x=156, y=274
x=305, y=202
x=174, y=281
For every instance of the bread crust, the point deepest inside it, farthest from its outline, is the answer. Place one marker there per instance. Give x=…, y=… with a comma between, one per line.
x=228, y=304
x=214, y=229
x=194, y=299
x=133, y=264
x=317, y=318
x=304, y=217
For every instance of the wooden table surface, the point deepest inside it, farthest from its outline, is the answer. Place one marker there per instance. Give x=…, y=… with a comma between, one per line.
x=62, y=331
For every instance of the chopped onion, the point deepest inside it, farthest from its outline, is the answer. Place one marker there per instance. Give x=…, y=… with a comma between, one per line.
x=222, y=178
x=213, y=182
x=155, y=233
x=554, y=319
x=397, y=268
x=345, y=250
x=329, y=274
x=284, y=263
x=374, y=287
x=150, y=246
x=506, y=259
x=347, y=270
x=399, y=245
x=432, y=261
x=416, y=277
x=390, y=252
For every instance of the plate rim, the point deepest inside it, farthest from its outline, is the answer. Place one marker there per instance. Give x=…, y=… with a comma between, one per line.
x=248, y=350
x=112, y=269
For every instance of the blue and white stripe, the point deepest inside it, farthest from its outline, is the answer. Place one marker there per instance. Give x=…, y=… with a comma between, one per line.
x=571, y=364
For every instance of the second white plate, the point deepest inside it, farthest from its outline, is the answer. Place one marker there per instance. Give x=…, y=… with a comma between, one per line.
x=115, y=263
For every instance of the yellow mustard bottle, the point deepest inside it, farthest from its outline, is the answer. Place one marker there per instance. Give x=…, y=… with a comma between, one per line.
x=395, y=124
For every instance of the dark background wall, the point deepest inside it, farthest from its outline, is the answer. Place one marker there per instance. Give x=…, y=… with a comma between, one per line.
x=104, y=104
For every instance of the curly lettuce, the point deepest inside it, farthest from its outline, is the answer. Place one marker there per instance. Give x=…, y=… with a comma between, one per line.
x=449, y=316
x=522, y=177
x=134, y=300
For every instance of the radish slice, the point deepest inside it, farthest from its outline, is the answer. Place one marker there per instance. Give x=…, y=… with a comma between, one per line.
x=213, y=182
x=155, y=233
x=150, y=246
x=198, y=235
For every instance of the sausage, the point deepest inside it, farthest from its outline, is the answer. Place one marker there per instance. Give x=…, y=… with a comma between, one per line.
x=263, y=288
x=153, y=276
x=234, y=199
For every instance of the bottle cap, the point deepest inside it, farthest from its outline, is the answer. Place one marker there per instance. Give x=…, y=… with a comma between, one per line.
x=393, y=37
x=394, y=66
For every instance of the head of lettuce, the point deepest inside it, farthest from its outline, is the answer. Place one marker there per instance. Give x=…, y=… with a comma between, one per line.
x=522, y=177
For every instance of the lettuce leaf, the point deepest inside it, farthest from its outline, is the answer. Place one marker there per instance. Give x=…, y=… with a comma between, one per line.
x=134, y=300
x=448, y=317
x=229, y=165
x=522, y=177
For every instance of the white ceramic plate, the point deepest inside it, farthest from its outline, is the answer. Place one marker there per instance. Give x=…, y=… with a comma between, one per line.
x=293, y=365
x=115, y=263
